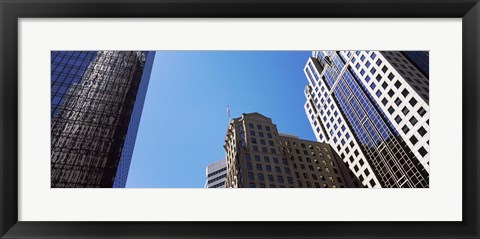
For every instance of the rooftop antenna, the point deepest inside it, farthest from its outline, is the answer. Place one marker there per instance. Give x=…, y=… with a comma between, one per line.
x=228, y=111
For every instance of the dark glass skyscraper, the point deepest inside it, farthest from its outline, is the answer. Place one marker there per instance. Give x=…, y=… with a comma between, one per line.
x=372, y=107
x=97, y=101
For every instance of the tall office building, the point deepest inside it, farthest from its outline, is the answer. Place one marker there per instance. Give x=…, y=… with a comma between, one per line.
x=258, y=157
x=216, y=174
x=372, y=107
x=96, y=103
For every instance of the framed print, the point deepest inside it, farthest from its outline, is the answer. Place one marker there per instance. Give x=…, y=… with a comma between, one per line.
x=239, y=119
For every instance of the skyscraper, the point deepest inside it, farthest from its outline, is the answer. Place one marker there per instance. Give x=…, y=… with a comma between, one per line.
x=258, y=157
x=372, y=107
x=97, y=101
x=216, y=174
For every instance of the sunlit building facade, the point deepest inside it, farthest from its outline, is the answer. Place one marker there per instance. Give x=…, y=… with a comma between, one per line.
x=216, y=174
x=372, y=108
x=96, y=104
x=259, y=157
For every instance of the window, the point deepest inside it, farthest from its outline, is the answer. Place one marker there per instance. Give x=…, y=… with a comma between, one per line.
x=252, y=133
x=405, y=129
x=405, y=93
x=367, y=64
x=372, y=182
x=269, y=168
x=250, y=125
x=247, y=156
x=379, y=62
x=398, y=101
x=270, y=143
x=379, y=93
x=280, y=179
x=262, y=141
x=277, y=169
x=398, y=84
x=269, y=135
x=422, y=131
x=250, y=176
x=398, y=119
x=254, y=140
x=290, y=180
x=266, y=159
x=249, y=166
x=421, y=111
x=384, y=85
x=267, y=128
x=285, y=161
x=413, y=120
x=390, y=76
x=384, y=101
x=384, y=69
x=413, y=139
x=260, y=177
x=270, y=178
x=405, y=110
x=367, y=79
x=260, y=134
x=255, y=148
x=264, y=149
x=423, y=151
x=259, y=167
x=259, y=127
x=413, y=102
x=372, y=86
x=257, y=158
x=390, y=110
x=252, y=185
x=391, y=93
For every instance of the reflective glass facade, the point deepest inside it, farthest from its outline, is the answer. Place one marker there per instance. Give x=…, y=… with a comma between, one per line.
x=127, y=152
x=67, y=69
x=342, y=103
x=97, y=99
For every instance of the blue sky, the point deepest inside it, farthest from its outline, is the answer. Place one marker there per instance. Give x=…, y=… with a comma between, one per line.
x=184, y=119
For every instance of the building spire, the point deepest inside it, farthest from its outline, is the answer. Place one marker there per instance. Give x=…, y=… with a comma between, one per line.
x=228, y=111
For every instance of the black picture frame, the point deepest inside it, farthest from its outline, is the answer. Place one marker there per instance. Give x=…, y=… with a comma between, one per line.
x=12, y=10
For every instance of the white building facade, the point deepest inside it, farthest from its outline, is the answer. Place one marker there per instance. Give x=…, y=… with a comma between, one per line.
x=216, y=174
x=372, y=107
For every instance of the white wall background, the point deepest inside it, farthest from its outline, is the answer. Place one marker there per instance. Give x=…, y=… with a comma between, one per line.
x=442, y=201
